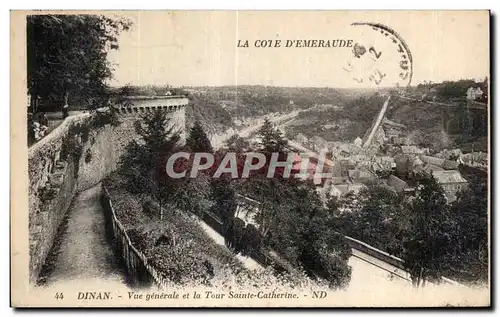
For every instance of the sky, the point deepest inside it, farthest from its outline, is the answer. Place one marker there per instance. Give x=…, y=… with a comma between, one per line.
x=199, y=48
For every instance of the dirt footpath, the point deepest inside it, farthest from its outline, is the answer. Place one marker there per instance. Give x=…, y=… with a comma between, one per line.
x=84, y=252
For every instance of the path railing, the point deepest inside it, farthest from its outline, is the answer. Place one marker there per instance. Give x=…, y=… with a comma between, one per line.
x=141, y=272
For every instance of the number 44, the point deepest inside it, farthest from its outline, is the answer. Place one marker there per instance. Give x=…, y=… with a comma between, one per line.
x=59, y=296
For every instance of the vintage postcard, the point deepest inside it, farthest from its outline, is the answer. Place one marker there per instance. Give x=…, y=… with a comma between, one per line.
x=250, y=159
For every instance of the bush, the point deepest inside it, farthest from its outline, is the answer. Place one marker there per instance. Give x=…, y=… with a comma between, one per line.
x=333, y=269
x=47, y=193
x=252, y=240
x=103, y=118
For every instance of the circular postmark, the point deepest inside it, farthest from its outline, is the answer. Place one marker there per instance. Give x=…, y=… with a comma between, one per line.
x=379, y=58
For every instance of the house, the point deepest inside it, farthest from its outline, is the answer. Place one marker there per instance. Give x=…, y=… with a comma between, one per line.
x=452, y=154
x=411, y=149
x=401, y=141
x=344, y=189
x=416, y=162
x=360, y=176
x=392, y=133
x=345, y=166
x=302, y=139
x=397, y=184
x=330, y=187
x=474, y=159
x=318, y=143
x=358, y=142
x=360, y=158
x=474, y=93
x=429, y=168
x=385, y=163
x=336, y=170
x=452, y=181
x=444, y=164
x=432, y=160
x=344, y=149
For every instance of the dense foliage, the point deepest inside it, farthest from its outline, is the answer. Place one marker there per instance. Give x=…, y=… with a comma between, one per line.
x=470, y=211
x=447, y=90
x=432, y=237
x=428, y=239
x=67, y=57
x=290, y=220
x=172, y=241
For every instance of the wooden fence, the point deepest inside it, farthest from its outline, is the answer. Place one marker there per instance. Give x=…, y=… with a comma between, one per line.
x=140, y=272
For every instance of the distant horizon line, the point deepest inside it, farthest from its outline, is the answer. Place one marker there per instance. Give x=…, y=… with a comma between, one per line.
x=477, y=80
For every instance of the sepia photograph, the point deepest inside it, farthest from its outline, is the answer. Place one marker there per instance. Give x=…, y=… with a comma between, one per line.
x=250, y=159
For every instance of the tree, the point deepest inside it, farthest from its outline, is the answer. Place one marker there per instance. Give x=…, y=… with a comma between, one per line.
x=322, y=251
x=293, y=222
x=429, y=238
x=251, y=240
x=272, y=140
x=158, y=133
x=144, y=162
x=327, y=264
x=237, y=144
x=272, y=195
x=224, y=196
x=198, y=140
x=470, y=212
x=67, y=55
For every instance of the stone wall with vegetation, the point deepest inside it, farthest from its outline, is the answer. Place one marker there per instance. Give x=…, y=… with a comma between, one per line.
x=75, y=156
x=51, y=200
x=53, y=167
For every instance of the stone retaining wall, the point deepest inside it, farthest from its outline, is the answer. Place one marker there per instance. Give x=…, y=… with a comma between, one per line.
x=53, y=181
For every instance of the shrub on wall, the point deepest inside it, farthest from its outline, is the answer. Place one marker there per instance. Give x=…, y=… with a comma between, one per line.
x=47, y=193
x=103, y=118
x=88, y=156
x=71, y=149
